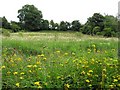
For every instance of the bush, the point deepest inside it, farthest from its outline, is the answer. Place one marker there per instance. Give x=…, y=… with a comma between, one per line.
x=96, y=29
x=5, y=32
x=108, y=32
x=15, y=27
x=98, y=33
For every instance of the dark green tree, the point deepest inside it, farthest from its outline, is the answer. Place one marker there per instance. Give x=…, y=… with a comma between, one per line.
x=45, y=25
x=111, y=22
x=15, y=26
x=97, y=20
x=95, y=30
x=56, y=26
x=63, y=26
x=52, y=25
x=76, y=25
x=30, y=17
x=108, y=32
x=5, y=23
x=68, y=24
x=87, y=29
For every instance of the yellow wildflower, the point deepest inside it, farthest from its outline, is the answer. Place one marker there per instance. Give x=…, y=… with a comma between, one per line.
x=90, y=71
x=58, y=77
x=3, y=67
x=14, y=55
x=61, y=65
x=19, y=59
x=44, y=58
x=58, y=51
x=118, y=85
x=115, y=80
x=42, y=55
x=93, y=45
x=83, y=72
x=30, y=71
x=38, y=55
x=96, y=75
x=22, y=73
x=88, y=74
x=21, y=77
x=45, y=84
x=118, y=78
x=104, y=70
x=37, y=83
x=90, y=85
x=73, y=53
x=111, y=86
x=11, y=61
x=67, y=85
x=87, y=81
x=66, y=62
x=38, y=62
x=66, y=53
x=48, y=76
x=17, y=84
x=98, y=51
x=29, y=66
x=74, y=61
x=34, y=66
x=39, y=68
x=39, y=86
x=88, y=52
x=113, y=49
x=15, y=73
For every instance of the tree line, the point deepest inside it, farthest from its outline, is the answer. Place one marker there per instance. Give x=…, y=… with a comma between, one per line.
x=31, y=19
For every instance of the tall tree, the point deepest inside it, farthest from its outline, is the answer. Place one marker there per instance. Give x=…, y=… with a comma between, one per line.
x=45, y=25
x=63, y=26
x=56, y=25
x=52, y=25
x=5, y=23
x=111, y=22
x=96, y=20
x=15, y=26
x=76, y=25
x=30, y=17
x=68, y=24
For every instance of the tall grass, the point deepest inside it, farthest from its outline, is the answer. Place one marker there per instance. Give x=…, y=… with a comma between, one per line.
x=60, y=63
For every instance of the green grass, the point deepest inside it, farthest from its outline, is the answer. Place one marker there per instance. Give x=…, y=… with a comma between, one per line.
x=59, y=60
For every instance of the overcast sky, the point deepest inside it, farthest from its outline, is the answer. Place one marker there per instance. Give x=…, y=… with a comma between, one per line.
x=58, y=10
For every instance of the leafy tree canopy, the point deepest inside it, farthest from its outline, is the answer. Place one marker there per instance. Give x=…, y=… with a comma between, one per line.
x=30, y=17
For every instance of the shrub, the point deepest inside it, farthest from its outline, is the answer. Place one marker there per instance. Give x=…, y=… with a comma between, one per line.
x=15, y=27
x=5, y=32
x=98, y=33
x=96, y=29
x=108, y=32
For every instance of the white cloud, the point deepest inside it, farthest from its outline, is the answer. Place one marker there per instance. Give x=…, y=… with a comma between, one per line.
x=58, y=10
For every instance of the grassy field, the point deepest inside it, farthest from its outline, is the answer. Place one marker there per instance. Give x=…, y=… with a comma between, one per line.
x=59, y=60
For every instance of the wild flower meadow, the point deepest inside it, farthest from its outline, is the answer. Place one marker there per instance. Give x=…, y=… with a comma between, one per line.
x=59, y=63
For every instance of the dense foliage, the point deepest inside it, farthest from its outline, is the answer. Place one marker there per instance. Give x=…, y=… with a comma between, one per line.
x=31, y=19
